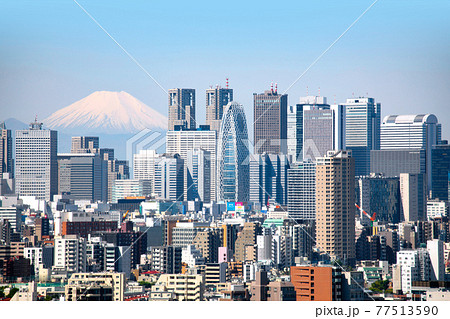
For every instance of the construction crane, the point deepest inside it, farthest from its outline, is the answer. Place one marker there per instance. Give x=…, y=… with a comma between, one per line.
x=125, y=215
x=372, y=218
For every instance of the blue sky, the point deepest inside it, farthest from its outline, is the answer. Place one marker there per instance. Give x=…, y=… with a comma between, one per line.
x=52, y=54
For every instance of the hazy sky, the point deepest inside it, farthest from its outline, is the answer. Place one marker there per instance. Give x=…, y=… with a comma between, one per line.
x=52, y=54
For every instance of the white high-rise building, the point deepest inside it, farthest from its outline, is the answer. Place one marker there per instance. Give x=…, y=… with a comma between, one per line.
x=362, y=130
x=415, y=265
x=181, y=141
x=70, y=253
x=199, y=174
x=130, y=187
x=169, y=177
x=435, y=249
x=36, y=170
x=144, y=165
x=420, y=131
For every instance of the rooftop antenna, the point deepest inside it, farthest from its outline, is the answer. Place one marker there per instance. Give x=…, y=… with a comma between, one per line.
x=227, y=83
x=35, y=119
x=276, y=87
x=335, y=99
x=271, y=87
x=353, y=94
x=319, y=91
x=367, y=94
x=307, y=91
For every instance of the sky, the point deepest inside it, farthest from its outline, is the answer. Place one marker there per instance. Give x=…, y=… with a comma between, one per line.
x=52, y=54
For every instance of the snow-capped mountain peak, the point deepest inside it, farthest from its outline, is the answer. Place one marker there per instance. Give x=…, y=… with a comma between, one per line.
x=107, y=112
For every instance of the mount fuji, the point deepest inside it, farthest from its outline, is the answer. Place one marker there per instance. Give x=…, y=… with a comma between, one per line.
x=105, y=112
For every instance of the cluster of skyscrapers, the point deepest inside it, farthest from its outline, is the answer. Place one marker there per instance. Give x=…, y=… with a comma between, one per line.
x=316, y=183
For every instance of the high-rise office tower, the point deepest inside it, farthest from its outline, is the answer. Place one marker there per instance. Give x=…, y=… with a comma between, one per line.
x=144, y=166
x=302, y=191
x=216, y=99
x=335, y=205
x=169, y=177
x=295, y=133
x=233, y=155
x=199, y=174
x=270, y=122
x=6, y=161
x=181, y=141
x=36, y=162
x=413, y=197
x=392, y=163
x=181, y=108
x=380, y=195
x=268, y=178
x=314, y=127
x=420, y=131
x=84, y=144
x=362, y=131
x=83, y=176
x=440, y=172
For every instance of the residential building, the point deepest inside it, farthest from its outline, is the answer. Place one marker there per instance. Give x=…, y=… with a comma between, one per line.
x=185, y=287
x=105, y=286
x=70, y=254
x=317, y=283
x=335, y=205
x=167, y=259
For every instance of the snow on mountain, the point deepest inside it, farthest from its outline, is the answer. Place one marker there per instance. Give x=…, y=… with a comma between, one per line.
x=107, y=112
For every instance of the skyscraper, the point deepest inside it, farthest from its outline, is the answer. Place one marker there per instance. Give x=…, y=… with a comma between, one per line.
x=233, y=155
x=270, y=122
x=295, y=133
x=268, y=178
x=440, y=172
x=144, y=166
x=362, y=131
x=6, y=161
x=83, y=176
x=216, y=99
x=199, y=173
x=182, y=140
x=413, y=197
x=420, y=131
x=335, y=205
x=84, y=144
x=314, y=127
x=181, y=108
x=36, y=162
x=169, y=177
x=302, y=191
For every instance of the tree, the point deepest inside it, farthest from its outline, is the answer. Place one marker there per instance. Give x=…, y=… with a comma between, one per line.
x=380, y=286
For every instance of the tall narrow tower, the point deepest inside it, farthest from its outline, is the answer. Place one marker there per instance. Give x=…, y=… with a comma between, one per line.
x=335, y=205
x=216, y=99
x=181, y=108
